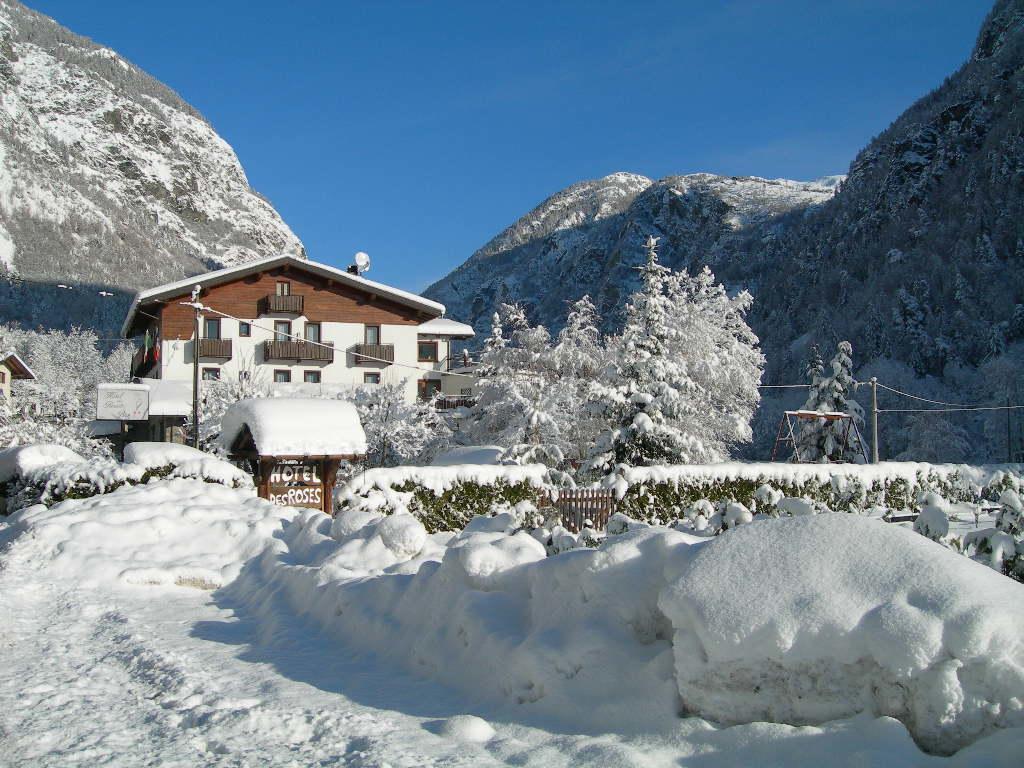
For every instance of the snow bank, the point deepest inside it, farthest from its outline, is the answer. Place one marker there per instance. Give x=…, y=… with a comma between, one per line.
x=809, y=619
x=183, y=532
x=470, y=454
x=798, y=621
x=21, y=460
x=282, y=426
x=187, y=462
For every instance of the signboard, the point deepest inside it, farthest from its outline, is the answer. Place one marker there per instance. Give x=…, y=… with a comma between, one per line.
x=296, y=483
x=122, y=402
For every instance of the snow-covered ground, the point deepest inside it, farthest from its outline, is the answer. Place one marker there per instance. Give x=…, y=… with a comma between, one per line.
x=102, y=667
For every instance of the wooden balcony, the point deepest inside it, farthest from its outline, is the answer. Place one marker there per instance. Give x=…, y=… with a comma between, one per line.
x=291, y=305
x=381, y=354
x=298, y=351
x=216, y=348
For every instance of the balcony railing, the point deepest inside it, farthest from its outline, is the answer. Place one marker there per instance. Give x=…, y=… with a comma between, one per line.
x=374, y=353
x=299, y=351
x=287, y=304
x=217, y=348
x=451, y=402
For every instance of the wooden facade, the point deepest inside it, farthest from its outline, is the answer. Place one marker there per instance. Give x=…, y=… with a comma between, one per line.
x=323, y=300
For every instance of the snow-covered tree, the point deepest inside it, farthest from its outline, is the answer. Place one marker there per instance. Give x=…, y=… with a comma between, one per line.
x=682, y=382
x=57, y=406
x=521, y=398
x=398, y=432
x=831, y=392
x=579, y=356
x=217, y=395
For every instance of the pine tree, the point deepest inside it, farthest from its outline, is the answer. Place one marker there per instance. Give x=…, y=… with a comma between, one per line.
x=682, y=382
x=822, y=440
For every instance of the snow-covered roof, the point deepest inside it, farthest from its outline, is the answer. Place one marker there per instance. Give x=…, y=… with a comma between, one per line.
x=284, y=426
x=443, y=326
x=232, y=273
x=19, y=368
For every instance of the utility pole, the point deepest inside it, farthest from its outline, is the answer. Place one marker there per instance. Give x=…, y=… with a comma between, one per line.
x=195, y=368
x=874, y=420
x=1009, y=434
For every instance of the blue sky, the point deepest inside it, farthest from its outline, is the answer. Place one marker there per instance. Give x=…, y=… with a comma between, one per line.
x=417, y=131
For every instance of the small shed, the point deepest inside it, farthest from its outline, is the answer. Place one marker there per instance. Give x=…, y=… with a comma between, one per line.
x=12, y=367
x=294, y=446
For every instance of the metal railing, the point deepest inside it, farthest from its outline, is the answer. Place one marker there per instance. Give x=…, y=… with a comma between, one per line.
x=299, y=350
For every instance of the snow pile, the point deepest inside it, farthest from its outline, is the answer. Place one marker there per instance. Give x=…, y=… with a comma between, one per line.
x=187, y=462
x=295, y=427
x=809, y=619
x=182, y=532
x=799, y=620
x=469, y=454
x=22, y=460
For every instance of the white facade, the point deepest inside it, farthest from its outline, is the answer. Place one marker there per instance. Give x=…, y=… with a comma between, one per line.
x=247, y=356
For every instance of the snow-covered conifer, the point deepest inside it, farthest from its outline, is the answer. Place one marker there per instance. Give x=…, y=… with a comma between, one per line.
x=831, y=391
x=682, y=382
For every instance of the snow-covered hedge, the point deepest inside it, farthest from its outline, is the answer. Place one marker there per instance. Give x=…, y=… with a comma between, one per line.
x=50, y=482
x=443, y=498
x=663, y=494
x=795, y=620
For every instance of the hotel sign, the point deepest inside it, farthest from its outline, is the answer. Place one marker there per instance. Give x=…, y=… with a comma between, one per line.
x=297, y=483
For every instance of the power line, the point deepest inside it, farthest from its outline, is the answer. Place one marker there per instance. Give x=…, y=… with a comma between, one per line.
x=924, y=399
x=951, y=410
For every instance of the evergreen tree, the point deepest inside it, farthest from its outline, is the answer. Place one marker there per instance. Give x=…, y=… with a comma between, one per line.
x=398, y=432
x=681, y=384
x=822, y=440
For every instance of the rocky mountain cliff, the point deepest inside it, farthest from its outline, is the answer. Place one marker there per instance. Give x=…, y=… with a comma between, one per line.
x=918, y=257
x=109, y=181
x=588, y=239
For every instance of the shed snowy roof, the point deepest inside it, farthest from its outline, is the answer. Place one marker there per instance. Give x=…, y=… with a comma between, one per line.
x=443, y=326
x=227, y=274
x=283, y=426
x=19, y=368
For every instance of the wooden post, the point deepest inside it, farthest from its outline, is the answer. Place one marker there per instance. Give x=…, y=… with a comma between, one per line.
x=195, y=369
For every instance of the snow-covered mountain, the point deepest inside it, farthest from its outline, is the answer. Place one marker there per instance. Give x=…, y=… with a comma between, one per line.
x=588, y=238
x=108, y=180
x=917, y=258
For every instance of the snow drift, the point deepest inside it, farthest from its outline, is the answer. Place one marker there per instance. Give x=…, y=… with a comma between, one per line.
x=797, y=621
x=811, y=619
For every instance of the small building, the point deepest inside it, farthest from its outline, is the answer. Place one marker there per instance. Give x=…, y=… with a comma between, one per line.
x=12, y=367
x=294, y=446
x=290, y=321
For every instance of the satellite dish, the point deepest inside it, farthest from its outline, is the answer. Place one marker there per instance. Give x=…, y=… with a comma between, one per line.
x=362, y=262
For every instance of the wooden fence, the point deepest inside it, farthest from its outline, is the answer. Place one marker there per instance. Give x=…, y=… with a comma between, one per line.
x=579, y=504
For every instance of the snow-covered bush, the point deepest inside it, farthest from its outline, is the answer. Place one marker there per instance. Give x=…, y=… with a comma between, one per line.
x=932, y=521
x=54, y=481
x=1001, y=547
x=443, y=498
x=663, y=494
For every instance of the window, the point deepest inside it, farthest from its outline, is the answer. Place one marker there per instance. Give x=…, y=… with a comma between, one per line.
x=244, y=376
x=284, y=288
x=212, y=326
x=3, y=377
x=211, y=374
x=282, y=330
x=244, y=330
x=311, y=377
x=371, y=378
x=466, y=391
x=428, y=388
x=282, y=377
x=312, y=332
x=427, y=352
x=372, y=334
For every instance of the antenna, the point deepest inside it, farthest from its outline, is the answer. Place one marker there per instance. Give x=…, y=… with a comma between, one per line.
x=362, y=262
